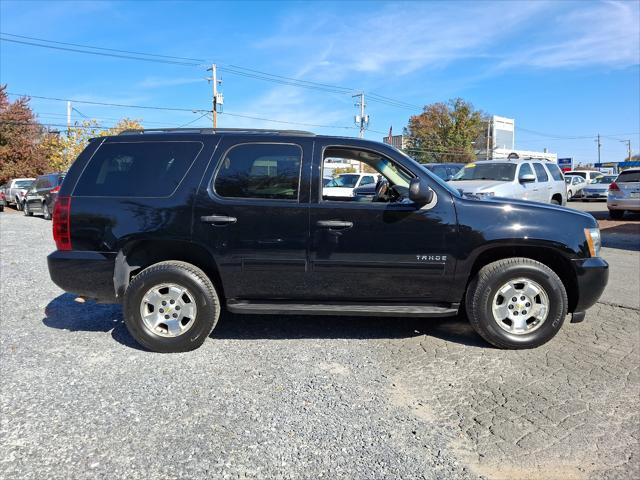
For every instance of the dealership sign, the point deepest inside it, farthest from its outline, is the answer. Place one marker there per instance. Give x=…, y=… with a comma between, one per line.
x=565, y=164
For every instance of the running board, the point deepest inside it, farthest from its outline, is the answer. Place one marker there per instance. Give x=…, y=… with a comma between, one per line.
x=350, y=309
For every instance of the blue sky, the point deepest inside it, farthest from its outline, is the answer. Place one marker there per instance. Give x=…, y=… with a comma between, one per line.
x=561, y=69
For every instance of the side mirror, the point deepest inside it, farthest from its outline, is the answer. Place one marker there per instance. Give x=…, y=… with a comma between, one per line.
x=419, y=192
x=527, y=178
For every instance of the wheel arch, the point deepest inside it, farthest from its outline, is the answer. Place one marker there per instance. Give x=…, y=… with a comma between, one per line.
x=549, y=256
x=140, y=254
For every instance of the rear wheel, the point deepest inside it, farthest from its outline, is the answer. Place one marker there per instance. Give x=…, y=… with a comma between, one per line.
x=171, y=307
x=516, y=303
x=46, y=214
x=555, y=201
x=616, y=214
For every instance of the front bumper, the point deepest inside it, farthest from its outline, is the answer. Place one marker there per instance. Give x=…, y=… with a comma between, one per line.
x=85, y=274
x=592, y=276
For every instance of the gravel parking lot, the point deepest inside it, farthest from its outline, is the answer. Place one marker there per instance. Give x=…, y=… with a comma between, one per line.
x=312, y=397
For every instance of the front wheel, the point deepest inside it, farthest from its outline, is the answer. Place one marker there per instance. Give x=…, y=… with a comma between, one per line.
x=18, y=205
x=171, y=307
x=569, y=195
x=516, y=303
x=26, y=210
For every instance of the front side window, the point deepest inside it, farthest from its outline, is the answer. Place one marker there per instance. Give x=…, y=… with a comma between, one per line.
x=504, y=172
x=540, y=172
x=368, y=180
x=345, y=180
x=525, y=169
x=137, y=169
x=260, y=170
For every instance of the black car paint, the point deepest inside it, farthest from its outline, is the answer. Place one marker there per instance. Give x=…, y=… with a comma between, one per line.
x=277, y=250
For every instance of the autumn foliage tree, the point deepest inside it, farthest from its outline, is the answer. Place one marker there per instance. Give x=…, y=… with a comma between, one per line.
x=21, y=135
x=444, y=132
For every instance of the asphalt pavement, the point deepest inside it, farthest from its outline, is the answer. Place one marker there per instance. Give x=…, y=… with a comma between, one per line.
x=311, y=397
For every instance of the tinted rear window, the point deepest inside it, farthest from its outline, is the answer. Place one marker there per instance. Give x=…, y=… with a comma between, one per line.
x=137, y=169
x=541, y=173
x=628, y=177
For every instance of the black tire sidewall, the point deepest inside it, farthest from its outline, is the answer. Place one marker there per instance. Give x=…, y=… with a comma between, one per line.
x=46, y=214
x=206, y=318
x=555, y=317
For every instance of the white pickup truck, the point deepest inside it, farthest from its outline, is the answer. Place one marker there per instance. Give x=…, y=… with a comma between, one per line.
x=16, y=190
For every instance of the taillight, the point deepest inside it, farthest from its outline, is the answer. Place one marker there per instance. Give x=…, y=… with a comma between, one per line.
x=55, y=190
x=614, y=186
x=61, y=232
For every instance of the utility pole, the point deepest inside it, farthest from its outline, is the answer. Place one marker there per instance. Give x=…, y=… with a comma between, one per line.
x=599, y=146
x=628, y=142
x=217, y=98
x=68, y=117
x=361, y=120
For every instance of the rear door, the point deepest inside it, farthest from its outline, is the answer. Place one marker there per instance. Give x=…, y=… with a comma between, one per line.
x=252, y=212
x=545, y=186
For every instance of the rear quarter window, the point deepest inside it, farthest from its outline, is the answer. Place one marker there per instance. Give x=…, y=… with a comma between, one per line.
x=555, y=172
x=137, y=169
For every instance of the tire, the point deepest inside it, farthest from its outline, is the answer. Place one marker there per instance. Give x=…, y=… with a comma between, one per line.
x=18, y=205
x=616, y=214
x=569, y=195
x=485, y=288
x=554, y=202
x=46, y=214
x=198, y=289
x=25, y=209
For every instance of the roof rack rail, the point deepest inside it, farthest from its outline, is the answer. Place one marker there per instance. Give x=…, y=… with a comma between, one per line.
x=212, y=131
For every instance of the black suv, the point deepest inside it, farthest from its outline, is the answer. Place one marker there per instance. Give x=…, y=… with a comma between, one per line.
x=177, y=224
x=42, y=194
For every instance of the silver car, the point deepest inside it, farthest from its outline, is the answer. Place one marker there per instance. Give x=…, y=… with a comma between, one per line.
x=598, y=188
x=624, y=193
x=536, y=180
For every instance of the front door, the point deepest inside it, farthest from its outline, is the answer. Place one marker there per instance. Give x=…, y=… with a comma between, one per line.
x=252, y=212
x=380, y=251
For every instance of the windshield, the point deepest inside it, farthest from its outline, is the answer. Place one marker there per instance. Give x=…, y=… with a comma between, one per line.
x=23, y=183
x=348, y=181
x=607, y=179
x=504, y=172
x=430, y=174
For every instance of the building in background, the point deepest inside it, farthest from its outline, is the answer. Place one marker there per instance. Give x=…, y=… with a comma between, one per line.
x=498, y=142
x=398, y=141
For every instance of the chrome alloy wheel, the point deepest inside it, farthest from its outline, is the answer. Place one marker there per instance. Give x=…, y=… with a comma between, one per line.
x=168, y=310
x=520, y=306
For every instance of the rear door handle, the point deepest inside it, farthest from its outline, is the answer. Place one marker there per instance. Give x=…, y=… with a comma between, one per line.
x=218, y=220
x=334, y=224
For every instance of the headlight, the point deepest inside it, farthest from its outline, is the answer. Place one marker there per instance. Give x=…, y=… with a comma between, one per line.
x=593, y=240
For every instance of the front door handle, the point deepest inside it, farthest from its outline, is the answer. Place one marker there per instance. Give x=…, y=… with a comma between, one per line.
x=334, y=224
x=218, y=220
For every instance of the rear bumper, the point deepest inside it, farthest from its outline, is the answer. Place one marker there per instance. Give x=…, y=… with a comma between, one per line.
x=616, y=203
x=592, y=275
x=86, y=274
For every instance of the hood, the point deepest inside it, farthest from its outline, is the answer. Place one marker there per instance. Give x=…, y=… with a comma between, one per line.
x=475, y=186
x=541, y=208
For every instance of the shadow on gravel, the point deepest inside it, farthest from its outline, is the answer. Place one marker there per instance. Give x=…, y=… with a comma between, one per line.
x=624, y=237
x=272, y=327
x=65, y=313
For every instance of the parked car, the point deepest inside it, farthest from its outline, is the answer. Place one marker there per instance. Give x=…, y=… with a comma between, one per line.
x=588, y=175
x=16, y=190
x=575, y=185
x=624, y=193
x=178, y=224
x=343, y=185
x=3, y=198
x=42, y=195
x=512, y=179
x=598, y=188
x=445, y=171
